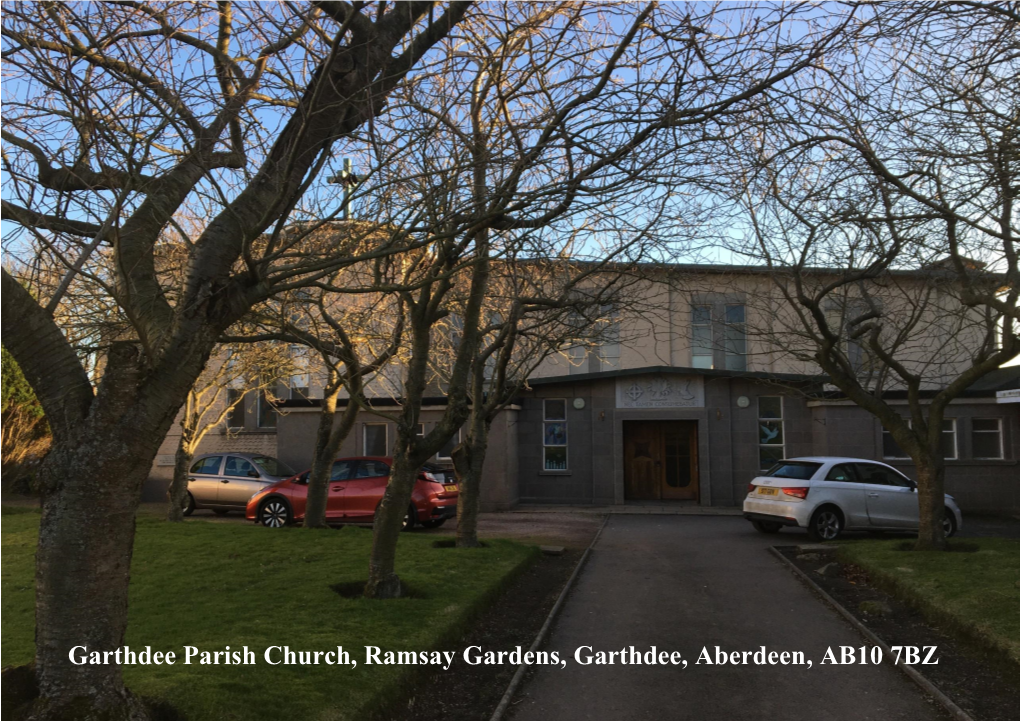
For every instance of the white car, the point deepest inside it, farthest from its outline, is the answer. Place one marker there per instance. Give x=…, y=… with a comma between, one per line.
x=829, y=495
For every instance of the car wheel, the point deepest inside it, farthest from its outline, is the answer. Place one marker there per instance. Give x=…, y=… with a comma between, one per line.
x=409, y=519
x=220, y=511
x=433, y=524
x=767, y=526
x=274, y=513
x=188, y=506
x=826, y=524
x=949, y=524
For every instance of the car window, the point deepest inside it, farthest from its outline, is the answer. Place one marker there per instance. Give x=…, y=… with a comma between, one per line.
x=880, y=476
x=209, y=466
x=842, y=472
x=341, y=471
x=238, y=467
x=371, y=469
x=273, y=466
x=797, y=470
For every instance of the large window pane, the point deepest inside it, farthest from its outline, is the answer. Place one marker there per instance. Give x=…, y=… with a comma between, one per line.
x=554, y=435
x=235, y=399
x=267, y=411
x=446, y=452
x=770, y=407
x=555, y=459
x=986, y=438
x=735, y=339
x=375, y=439
x=890, y=448
x=555, y=410
x=949, y=438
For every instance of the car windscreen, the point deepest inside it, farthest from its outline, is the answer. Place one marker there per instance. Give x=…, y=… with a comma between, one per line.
x=272, y=466
x=797, y=470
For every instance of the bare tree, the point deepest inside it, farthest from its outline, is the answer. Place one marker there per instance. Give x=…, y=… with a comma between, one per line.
x=248, y=367
x=542, y=135
x=124, y=115
x=897, y=166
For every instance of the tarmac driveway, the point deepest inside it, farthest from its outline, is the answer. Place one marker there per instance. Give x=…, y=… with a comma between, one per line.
x=682, y=583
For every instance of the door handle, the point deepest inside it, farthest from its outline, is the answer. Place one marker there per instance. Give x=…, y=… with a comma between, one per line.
x=338, y=488
x=224, y=481
x=872, y=495
x=190, y=480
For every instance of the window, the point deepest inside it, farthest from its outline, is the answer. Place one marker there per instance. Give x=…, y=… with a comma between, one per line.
x=608, y=351
x=701, y=336
x=374, y=439
x=771, y=440
x=735, y=339
x=272, y=466
x=844, y=472
x=209, y=466
x=372, y=469
x=239, y=467
x=300, y=382
x=794, y=470
x=554, y=435
x=986, y=438
x=341, y=471
x=446, y=452
x=949, y=447
x=235, y=416
x=890, y=448
x=419, y=431
x=880, y=476
x=266, y=411
x=577, y=360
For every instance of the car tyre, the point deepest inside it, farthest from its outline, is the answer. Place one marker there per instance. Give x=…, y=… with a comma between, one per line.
x=410, y=518
x=433, y=524
x=826, y=524
x=274, y=513
x=767, y=526
x=189, y=504
x=949, y=524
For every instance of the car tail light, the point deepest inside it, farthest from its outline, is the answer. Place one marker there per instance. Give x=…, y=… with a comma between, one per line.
x=750, y=488
x=428, y=477
x=798, y=492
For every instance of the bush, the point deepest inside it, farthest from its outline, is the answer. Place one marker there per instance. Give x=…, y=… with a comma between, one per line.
x=26, y=434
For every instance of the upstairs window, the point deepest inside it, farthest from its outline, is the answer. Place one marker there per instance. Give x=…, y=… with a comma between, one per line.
x=701, y=337
x=374, y=441
x=735, y=339
x=266, y=411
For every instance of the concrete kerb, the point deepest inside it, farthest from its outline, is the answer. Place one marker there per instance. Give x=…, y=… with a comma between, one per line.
x=912, y=673
x=504, y=702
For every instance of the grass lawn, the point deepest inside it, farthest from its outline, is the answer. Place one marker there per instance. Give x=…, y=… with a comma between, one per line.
x=212, y=585
x=977, y=593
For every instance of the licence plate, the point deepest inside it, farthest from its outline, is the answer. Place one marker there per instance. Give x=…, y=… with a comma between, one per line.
x=763, y=491
x=451, y=488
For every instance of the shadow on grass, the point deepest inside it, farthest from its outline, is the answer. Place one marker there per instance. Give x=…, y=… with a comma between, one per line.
x=953, y=547
x=356, y=589
x=452, y=543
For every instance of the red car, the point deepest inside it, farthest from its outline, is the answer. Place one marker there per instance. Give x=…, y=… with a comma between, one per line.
x=356, y=485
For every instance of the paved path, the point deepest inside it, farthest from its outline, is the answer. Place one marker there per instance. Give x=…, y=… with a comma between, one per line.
x=684, y=582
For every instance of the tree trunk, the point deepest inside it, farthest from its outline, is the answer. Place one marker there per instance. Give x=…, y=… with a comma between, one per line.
x=468, y=459
x=322, y=463
x=178, y=490
x=83, y=564
x=931, y=481
x=383, y=581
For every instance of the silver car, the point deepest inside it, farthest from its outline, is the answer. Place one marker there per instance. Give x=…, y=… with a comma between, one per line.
x=829, y=495
x=225, y=481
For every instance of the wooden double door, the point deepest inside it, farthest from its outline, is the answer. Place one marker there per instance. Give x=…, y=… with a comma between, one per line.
x=660, y=460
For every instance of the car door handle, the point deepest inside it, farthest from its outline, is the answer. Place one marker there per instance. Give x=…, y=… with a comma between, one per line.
x=872, y=495
x=224, y=481
x=338, y=488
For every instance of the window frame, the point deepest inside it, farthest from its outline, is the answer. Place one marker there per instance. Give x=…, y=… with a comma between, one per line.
x=730, y=327
x=956, y=439
x=566, y=435
x=998, y=432
x=456, y=437
x=364, y=438
x=711, y=347
x=782, y=430
x=892, y=458
x=263, y=400
x=238, y=409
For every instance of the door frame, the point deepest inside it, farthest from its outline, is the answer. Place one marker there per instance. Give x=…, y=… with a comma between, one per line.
x=662, y=414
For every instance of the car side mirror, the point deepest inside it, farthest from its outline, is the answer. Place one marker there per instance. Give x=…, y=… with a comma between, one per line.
x=253, y=474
